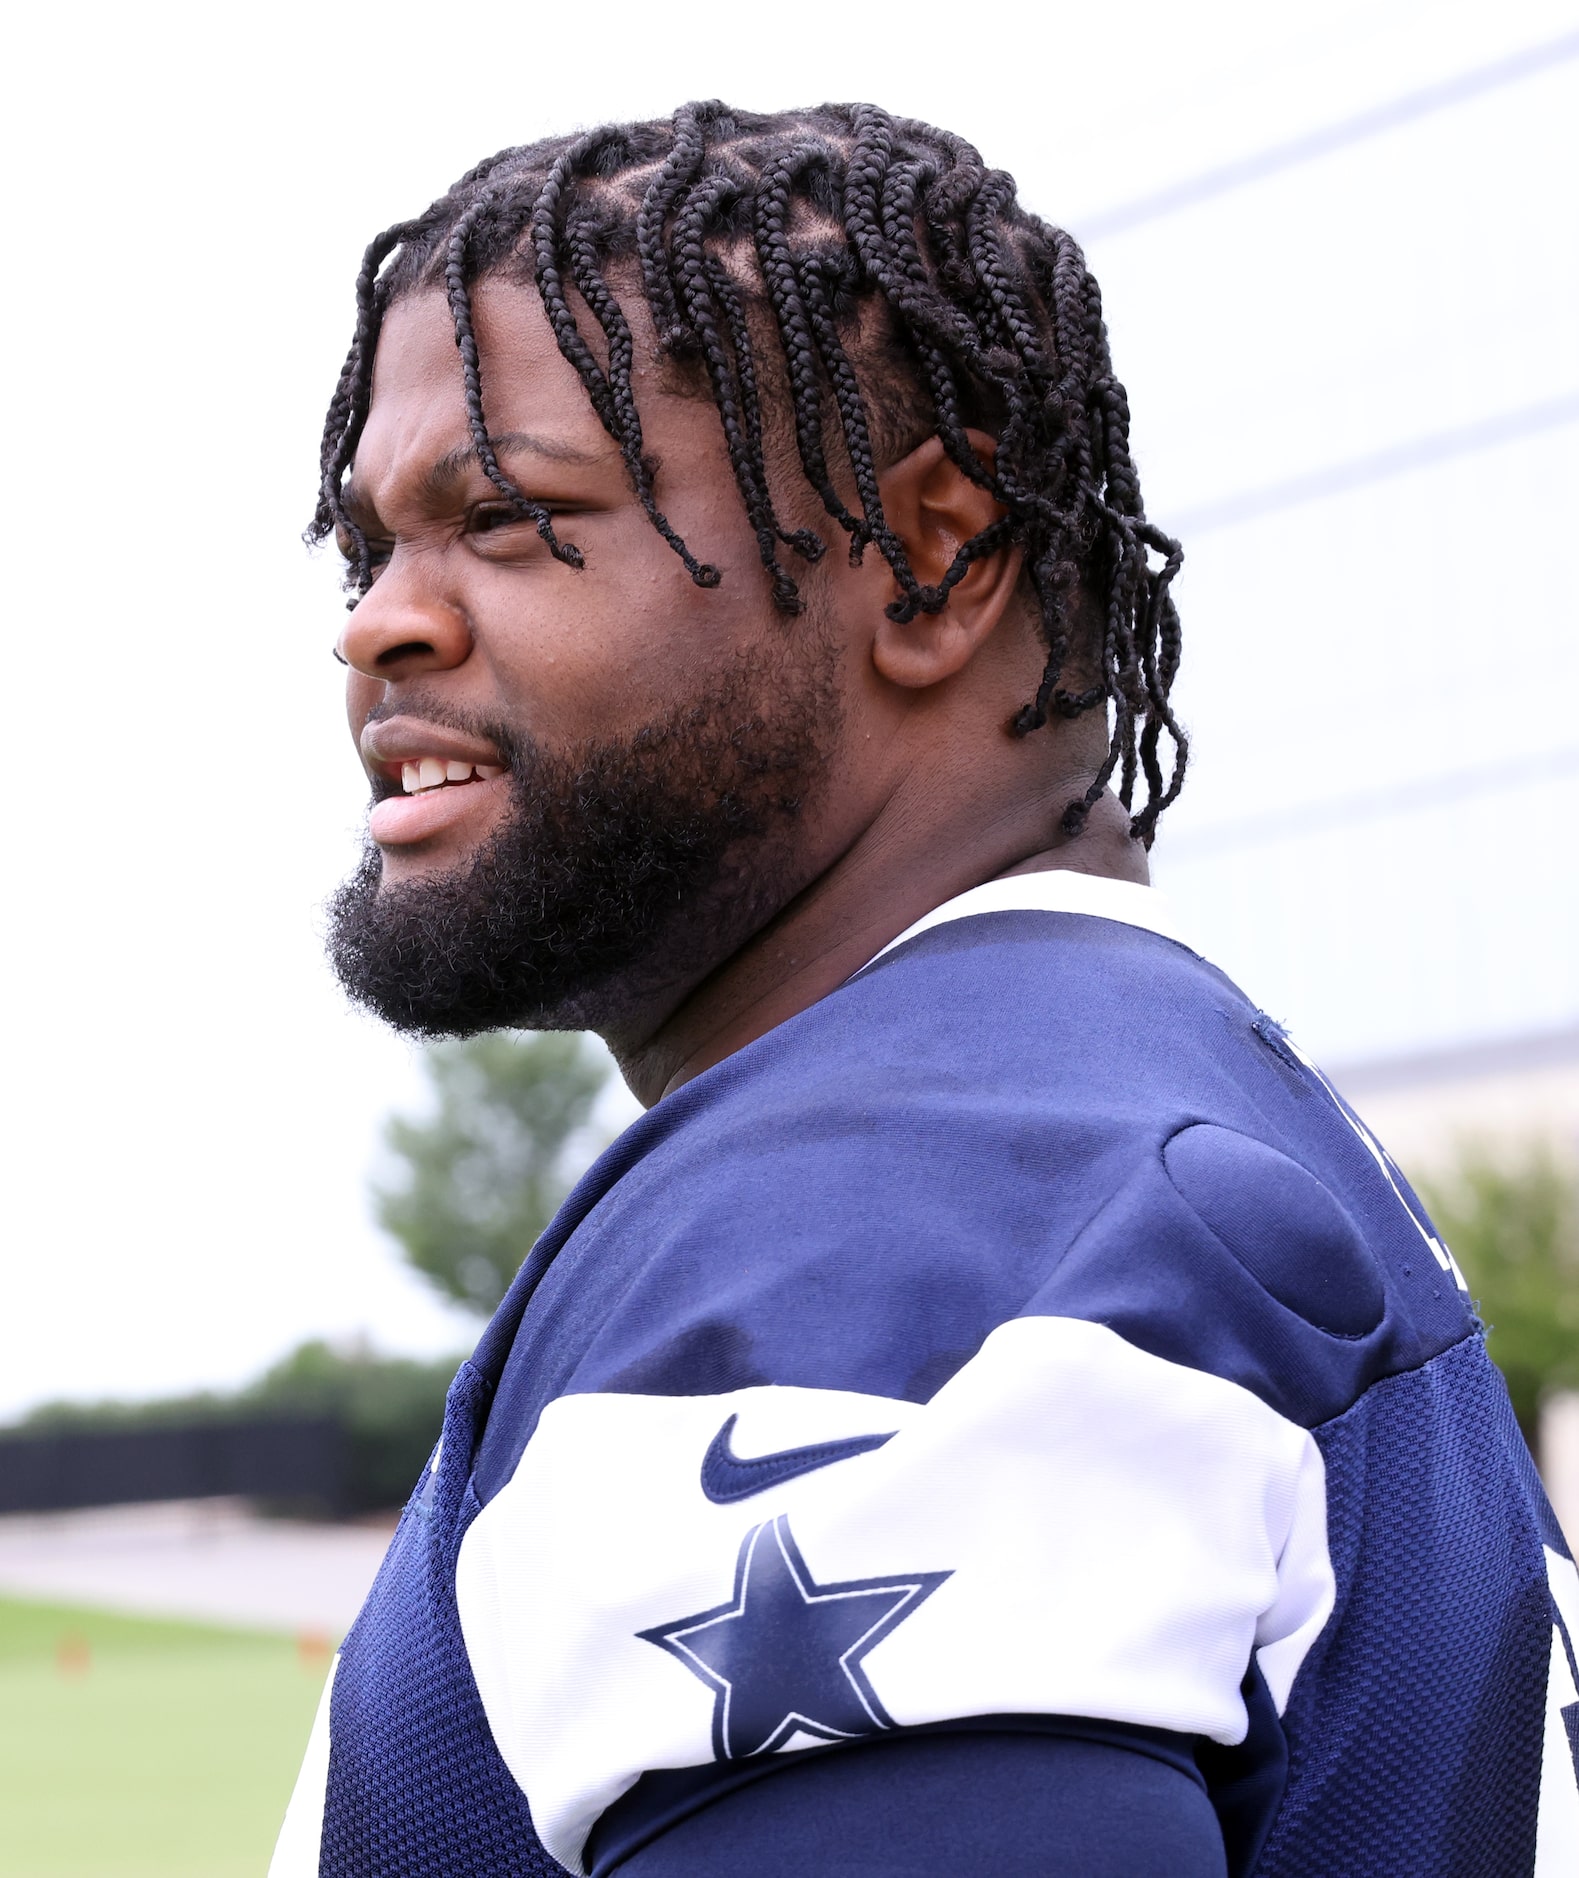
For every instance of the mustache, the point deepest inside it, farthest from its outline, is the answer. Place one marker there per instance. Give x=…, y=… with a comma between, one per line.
x=519, y=752
x=433, y=708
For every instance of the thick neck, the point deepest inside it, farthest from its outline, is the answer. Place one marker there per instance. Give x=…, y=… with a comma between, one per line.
x=877, y=888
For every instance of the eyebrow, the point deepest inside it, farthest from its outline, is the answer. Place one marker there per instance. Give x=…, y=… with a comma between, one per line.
x=440, y=477
x=449, y=469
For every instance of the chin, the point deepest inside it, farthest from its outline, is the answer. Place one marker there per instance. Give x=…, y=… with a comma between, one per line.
x=399, y=866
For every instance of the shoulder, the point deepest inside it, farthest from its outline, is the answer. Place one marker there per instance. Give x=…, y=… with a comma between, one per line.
x=998, y=1305
x=1023, y=1114
x=863, y=1195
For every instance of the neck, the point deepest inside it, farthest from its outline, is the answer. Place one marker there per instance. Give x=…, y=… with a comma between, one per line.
x=867, y=897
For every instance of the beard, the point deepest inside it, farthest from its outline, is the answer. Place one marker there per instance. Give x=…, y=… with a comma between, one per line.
x=622, y=869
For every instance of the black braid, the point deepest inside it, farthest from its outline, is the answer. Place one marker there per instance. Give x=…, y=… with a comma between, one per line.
x=680, y=166
x=699, y=308
x=471, y=379
x=348, y=408
x=806, y=544
x=625, y=422
x=855, y=431
x=870, y=280
x=610, y=392
x=794, y=324
x=549, y=240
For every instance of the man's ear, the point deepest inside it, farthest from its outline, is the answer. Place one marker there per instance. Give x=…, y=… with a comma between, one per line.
x=934, y=508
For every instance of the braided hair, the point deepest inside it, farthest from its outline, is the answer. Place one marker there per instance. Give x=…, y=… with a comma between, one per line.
x=867, y=280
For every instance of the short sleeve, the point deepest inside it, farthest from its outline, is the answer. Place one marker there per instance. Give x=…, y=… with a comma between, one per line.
x=1071, y=1526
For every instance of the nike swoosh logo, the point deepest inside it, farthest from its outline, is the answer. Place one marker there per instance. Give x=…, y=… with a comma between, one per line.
x=726, y=1477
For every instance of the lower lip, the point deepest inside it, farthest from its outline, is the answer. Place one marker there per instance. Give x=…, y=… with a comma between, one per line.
x=407, y=821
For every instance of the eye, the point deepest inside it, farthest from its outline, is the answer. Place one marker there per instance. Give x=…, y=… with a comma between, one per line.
x=489, y=519
x=378, y=554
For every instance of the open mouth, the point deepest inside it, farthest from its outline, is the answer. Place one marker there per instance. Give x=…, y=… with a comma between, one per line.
x=431, y=772
x=431, y=784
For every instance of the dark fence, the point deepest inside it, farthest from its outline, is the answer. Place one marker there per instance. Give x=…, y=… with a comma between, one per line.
x=279, y=1460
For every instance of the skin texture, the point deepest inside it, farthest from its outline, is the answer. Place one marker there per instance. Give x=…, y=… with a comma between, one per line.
x=924, y=792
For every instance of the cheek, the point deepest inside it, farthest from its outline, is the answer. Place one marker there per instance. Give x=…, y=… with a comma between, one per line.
x=603, y=652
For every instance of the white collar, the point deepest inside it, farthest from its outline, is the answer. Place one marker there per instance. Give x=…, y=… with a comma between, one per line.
x=1056, y=890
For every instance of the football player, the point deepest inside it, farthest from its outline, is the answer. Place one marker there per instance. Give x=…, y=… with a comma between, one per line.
x=998, y=1411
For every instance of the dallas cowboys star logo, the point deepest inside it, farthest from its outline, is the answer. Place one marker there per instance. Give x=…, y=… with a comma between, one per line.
x=784, y=1655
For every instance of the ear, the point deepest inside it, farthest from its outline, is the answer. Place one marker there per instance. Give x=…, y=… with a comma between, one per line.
x=934, y=508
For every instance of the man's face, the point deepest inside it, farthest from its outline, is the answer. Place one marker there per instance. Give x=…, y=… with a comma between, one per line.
x=590, y=787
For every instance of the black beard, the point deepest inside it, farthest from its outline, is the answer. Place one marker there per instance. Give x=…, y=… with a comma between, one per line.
x=623, y=868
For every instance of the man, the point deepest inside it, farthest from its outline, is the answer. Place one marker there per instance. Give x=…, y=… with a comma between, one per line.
x=998, y=1411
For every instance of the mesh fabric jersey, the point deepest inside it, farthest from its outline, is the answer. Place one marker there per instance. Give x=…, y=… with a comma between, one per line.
x=1023, y=1341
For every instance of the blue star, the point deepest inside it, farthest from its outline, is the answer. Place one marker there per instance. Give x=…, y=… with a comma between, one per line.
x=785, y=1653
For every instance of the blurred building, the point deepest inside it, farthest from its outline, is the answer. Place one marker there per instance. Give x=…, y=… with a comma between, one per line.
x=1354, y=368
x=1509, y=1092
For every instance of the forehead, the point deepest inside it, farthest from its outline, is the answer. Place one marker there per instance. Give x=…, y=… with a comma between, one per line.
x=417, y=412
x=418, y=409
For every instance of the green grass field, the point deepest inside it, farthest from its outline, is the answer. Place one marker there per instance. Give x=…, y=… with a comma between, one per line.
x=131, y=1746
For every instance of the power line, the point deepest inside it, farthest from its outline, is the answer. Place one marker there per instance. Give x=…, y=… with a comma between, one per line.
x=1346, y=811
x=1380, y=466
x=1319, y=143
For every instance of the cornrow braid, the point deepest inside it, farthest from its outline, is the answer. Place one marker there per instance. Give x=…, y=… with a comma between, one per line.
x=870, y=282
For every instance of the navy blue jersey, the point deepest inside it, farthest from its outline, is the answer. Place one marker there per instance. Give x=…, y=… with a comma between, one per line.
x=1017, y=1381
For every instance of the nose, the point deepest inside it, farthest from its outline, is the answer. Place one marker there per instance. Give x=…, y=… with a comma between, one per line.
x=399, y=629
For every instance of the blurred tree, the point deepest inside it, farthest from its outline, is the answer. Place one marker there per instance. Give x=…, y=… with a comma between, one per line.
x=479, y=1179
x=485, y=1172
x=1513, y=1226
x=391, y=1408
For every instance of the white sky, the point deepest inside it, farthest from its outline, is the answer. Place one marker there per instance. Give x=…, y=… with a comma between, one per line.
x=190, y=1108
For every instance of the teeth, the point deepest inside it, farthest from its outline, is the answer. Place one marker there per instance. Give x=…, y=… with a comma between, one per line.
x=431, y=772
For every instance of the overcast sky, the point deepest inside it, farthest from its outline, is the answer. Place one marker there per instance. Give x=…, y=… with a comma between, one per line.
x=1381, y=667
